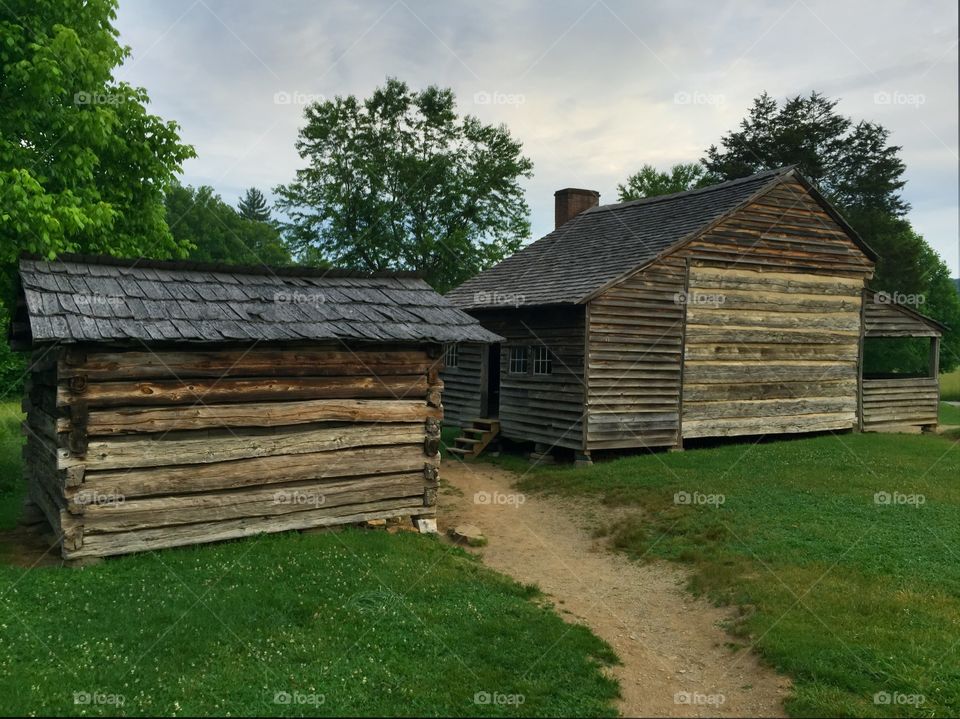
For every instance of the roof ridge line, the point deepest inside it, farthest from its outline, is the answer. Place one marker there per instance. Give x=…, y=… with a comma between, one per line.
x=695, y=191
x=199, y=266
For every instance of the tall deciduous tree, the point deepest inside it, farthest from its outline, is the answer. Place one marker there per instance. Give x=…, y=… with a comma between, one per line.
x=650, y=182
x=401, y=181
x=83, y=165
x=253, y=206
x=214, y=232
x=859, y=171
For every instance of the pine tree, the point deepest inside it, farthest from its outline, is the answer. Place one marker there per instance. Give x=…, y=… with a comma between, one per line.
x=253, y=206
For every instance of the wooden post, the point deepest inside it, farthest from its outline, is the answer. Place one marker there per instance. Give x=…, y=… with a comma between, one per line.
x=860, y=343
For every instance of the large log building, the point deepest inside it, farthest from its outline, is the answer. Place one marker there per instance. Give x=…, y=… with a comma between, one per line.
x=736, y=309
x=173, y=403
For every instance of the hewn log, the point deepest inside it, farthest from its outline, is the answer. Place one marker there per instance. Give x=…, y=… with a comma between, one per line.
x=220, y=446
x=168, y=511
x=258, y=362
x=164, y=537
x=256, y=471
x=255, y=414
x=166, y=392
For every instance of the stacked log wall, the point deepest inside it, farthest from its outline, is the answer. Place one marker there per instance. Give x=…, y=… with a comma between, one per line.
x=137, y=450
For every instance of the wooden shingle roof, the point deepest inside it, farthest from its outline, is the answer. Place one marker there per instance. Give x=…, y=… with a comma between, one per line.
x=99, y=299
x=603, y=243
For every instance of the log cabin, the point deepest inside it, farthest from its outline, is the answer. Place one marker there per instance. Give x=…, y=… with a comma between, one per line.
x=174, y=403
x=734, y=309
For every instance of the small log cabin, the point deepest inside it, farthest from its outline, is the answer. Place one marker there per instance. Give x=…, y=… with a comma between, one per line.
x=735, y=309
x=173, y=403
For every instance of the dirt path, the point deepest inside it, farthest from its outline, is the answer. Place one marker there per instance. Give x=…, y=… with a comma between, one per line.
x=676, y=661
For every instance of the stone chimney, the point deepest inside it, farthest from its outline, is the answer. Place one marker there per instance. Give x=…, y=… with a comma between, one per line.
x=570, y=202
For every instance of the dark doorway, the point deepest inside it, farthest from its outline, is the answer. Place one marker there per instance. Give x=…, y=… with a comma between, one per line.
x=492, y=408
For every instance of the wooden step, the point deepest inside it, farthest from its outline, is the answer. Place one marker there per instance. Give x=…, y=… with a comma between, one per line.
x=460, y=450
x=467, y=440
x=475, y=430
x=488, y=422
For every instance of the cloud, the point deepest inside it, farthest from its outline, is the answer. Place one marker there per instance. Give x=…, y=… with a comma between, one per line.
x=601, y=84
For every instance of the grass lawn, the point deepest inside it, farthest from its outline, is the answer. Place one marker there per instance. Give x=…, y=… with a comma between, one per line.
x=950, y=386
x=949, y=414
x=338, y=623
x=850, y=592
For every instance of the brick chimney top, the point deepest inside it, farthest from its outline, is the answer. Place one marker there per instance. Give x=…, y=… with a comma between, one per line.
x=571, y=201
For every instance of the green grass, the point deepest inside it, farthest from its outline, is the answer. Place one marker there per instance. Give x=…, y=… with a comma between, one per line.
x=847, y=596
x=12, y=488
x=950, y=386
x=949, y=414
x=342, y=623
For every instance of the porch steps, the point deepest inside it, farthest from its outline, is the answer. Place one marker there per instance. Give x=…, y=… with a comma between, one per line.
x=474, y=438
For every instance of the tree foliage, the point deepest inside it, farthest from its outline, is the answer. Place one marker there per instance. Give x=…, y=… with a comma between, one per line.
x=861, y=173
x=214, y=232
x=401, y=181
x=650, y=182
x=253, y=206
x=83, y=165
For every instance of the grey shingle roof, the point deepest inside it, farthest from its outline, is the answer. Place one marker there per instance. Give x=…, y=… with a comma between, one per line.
x=93, y=299
x=603, y=243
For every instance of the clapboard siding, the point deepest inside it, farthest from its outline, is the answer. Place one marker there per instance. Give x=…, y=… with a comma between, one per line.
x=800, y=383
x=634, y=359
x=885, y=319
x=462, y=386
x=784, y=229
x=541, y=408
x=891, y=403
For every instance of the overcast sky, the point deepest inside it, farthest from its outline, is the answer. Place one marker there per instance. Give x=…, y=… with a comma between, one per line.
x=593, y=89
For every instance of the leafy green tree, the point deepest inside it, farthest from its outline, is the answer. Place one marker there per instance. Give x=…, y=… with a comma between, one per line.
x=83, y=165
x=401, y=181
x=253, y=206
x=650, y=182
x=214, y=232
x=858, y=170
